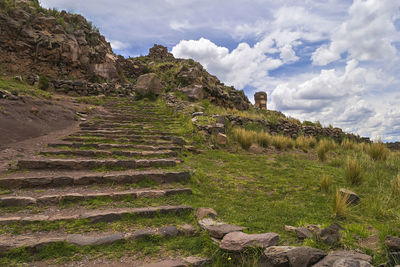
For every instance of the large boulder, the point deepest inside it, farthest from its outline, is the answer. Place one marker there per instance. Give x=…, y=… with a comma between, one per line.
x=282, y=256
x=148, y=84
x=238, y=241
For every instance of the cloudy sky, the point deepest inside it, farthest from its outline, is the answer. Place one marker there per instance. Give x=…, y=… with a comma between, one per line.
x=336, y=61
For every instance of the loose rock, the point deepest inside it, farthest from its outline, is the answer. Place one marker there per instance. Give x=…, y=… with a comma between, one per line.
x=205, y=212
x=238, y=241
x=280, y=256
x=354, y=199
x=393, y=243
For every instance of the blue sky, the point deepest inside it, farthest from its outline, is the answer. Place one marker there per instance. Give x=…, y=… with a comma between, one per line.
x=336, y=61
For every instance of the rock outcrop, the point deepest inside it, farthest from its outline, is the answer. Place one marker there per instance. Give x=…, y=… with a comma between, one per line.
x=35, y=40
x=184, y=75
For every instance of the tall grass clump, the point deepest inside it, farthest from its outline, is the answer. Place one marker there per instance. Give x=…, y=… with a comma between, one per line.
x=340, y=204
x=378, y=151
x=324, y=146
x=353, y=171
x=281, y=142
x=325, y=183
x=305, y=143
x=348, y=144
x=264, y=139
x=395, y=184
x=245, y=138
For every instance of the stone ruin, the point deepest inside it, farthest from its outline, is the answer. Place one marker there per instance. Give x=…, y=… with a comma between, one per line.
x=260, y=99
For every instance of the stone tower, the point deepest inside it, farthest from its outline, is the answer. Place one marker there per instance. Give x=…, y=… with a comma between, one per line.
x=260, y=99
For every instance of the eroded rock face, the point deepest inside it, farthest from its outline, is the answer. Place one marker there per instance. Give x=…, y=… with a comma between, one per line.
x=55, y=44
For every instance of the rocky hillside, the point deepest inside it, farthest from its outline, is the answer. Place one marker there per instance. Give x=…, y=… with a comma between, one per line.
x=34, y=40
x=185, y=76
x=64, y=46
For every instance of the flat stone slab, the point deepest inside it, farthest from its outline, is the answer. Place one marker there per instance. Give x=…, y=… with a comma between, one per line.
x=279, y=256
x=82, y=164
x=35, y=241
x=238, y=241
x=20, y=201
x=184, y=262
x=97, y=215
x=345, y=258
x=57, y=181
x=110, y=153
x=116, y=146
x=218, y=229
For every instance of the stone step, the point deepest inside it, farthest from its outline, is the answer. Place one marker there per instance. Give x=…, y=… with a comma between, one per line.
x=33, y=242
x=133, y=140
x=132, y=123
x=125, y=135
x=150, y=128
x=110, y=153
x=95, y=216
x=127, y=132
x=70, y=178
x=84, y=194
x=84, y=164
x=116, y=146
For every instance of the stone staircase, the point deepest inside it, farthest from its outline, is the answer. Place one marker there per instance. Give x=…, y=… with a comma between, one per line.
x=109, y=158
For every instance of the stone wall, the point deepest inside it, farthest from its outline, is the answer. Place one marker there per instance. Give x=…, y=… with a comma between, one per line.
x=84, y=88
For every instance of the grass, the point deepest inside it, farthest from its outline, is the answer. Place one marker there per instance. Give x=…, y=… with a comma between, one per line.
x=22, y=88
x=378, y=151
x=263, y=192
x=325, y=183
x=340, y=204
x=353, y=172
x=324, y=146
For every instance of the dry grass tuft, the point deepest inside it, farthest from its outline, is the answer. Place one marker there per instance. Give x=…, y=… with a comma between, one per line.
x=340, y=204
x=245, y=138
x=378, y=151
x=348, y=144
x=353, y=171
x=396, y=186
x=325, y=183
x=305, y=143
x=282, y=142
x=323, y=148
x=264, y=139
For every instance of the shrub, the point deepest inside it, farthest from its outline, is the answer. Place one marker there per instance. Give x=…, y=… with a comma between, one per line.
x=282, y=142
x=323, y=147
x=378, y=151
x=396, y=186
x=43, y=82
x=305, y=143
x=325, y=183
x=245, y=138
x=353, y=171
x=264, y=139
x=340, y=204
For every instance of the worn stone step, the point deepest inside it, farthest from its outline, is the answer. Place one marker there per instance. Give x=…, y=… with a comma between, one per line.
x=69, y=178
x=82, y=164
x=127, y=132
x=33, y=242
x=152, y=128
x=80, y=195
x=133, y=140
x=110, y=153
x=180, y=262
x=95, y=216
x=124, y=135
x=133, y=123
x=116, y=146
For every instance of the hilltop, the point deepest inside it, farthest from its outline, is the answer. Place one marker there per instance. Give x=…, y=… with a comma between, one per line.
x=109, y=161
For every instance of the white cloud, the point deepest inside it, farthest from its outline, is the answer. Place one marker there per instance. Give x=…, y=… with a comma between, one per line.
x=368, y=34
x=118, y=45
